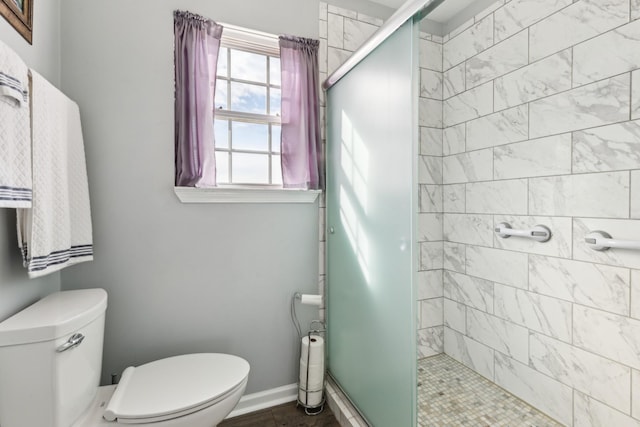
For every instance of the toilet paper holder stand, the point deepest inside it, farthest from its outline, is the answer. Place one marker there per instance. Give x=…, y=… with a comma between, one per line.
x=317, y=328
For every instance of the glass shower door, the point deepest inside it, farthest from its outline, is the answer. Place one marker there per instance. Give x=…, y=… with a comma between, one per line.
x=371, y=191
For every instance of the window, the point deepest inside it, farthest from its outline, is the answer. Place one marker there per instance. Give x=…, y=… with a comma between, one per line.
x=247, y=103
x=247, y=124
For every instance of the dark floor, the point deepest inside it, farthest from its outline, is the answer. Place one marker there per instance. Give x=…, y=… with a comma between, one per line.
x=287, y=415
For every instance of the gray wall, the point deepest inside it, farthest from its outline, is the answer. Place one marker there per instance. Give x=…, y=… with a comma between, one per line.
x=181, y=278
x=16, y=290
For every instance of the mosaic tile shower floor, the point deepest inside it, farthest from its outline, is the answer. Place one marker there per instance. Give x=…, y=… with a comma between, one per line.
x=450, y=394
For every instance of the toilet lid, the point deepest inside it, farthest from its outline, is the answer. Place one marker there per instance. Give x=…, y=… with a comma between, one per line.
x=175, y=386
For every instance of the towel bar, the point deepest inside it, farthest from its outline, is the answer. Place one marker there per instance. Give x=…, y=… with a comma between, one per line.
x=602, y=241
x=539, y=233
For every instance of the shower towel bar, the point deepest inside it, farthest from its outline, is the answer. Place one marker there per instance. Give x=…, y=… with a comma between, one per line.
x=602, y=241
x=538, y=233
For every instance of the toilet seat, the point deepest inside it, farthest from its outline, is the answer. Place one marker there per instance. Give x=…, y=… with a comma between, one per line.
x=174, y=387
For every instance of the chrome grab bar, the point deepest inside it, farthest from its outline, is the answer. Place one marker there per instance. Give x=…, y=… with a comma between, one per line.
x=539, y=233
x=74, y=341
x=602, y=241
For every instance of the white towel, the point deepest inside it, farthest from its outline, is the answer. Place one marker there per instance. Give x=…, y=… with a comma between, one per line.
x=15, y=131
x=56, y=232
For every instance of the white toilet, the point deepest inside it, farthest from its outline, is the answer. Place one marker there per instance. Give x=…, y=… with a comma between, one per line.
x=50, y=364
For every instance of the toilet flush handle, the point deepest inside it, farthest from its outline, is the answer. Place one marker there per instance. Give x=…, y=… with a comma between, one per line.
x=73, y=341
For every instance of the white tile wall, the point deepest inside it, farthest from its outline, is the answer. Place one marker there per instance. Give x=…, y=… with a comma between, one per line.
x=537, y=157
x=430, y=198
x=538, y=313
x=430, y=284
x=455, y=258
x=430, y=55
x=635, y=403
x=497, y=265
x=454, y=81
x=635, y=9
x=607, y=148
x=468, y=43
x=453, y=198
x=617, y=337
x=519, y=14
x=431, y=313
x=356, y=32
x=455, y=315
x=590, y=412
x=473, y=354
x=505, y=197
x=576, y=23
x=468, y=167
x=604, y=379
x=431, y=141
x=593, y=285
x=467, y=228
x=635, y=94
x=540, y=127
x=611, y=53
x=468, y=105
x=596, y=104
x=538, y=79
x=505, y=337
x=510, y=125
x=594, y=195
x=635, y=194
x=539, y=390
x=454, y=139
x=468, y=290
x=501, y=58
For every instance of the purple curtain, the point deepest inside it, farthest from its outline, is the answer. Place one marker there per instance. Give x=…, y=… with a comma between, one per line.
x=302, y=156
x=197, y=43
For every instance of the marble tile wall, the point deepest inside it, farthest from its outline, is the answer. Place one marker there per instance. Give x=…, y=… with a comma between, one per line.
x=430, y=172
x=540, y=115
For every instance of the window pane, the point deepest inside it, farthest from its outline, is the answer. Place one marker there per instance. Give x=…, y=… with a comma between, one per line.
x=223, y=68
x=276, y=170
x=222, y=167
x=250, y=168
x=275, y=138
x=274, y=71
x=248, y=66
x=221, y=129
x=250, y=136
x=221, y=94
x=248, y=98
x=274, y=102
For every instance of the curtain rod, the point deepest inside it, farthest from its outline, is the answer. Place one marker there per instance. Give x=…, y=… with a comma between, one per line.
x=402, y=15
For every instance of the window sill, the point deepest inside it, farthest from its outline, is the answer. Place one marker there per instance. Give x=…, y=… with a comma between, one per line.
x=245, y=195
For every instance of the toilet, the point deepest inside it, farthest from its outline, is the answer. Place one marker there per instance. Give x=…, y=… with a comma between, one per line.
x=50, y=365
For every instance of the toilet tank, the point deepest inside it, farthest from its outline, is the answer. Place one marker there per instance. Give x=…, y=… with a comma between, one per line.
x=40, y=385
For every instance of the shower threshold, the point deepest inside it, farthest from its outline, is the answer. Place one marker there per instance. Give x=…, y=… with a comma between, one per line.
x=450, y=394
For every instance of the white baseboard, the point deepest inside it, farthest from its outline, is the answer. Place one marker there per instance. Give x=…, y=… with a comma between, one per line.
x=265, y=399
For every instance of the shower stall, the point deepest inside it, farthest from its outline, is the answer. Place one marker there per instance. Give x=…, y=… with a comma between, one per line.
x=446, y=151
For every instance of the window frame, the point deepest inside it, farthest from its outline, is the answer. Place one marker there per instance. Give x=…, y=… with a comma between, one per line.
x=234, y=37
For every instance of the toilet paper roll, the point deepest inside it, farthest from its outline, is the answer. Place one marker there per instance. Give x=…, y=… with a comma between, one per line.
x=311, y=370
x=307, y=299
x=315, y=380
x=312, y=350
x=311, y=399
